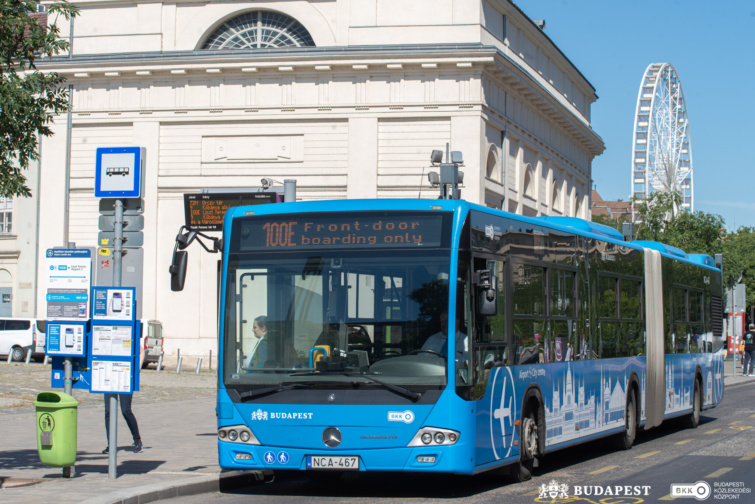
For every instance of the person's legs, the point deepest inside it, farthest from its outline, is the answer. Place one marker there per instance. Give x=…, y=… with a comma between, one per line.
x=107, y=416
x=752, y=362
x=130, y=418
x=746, y=366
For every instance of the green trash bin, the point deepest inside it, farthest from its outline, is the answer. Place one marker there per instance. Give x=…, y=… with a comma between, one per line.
x=56, y=428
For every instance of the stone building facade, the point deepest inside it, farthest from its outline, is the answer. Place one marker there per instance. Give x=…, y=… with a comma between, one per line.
x=348, y=97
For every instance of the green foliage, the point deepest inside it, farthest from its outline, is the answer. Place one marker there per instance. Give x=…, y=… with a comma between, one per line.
x=28, y=98
x=608, y=221
x=694, y=232
x=739, y=260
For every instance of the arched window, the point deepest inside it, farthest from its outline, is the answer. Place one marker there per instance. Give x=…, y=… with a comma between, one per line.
x=492, y=169
x=556, y=196
x=259, y=30
x=529, y=183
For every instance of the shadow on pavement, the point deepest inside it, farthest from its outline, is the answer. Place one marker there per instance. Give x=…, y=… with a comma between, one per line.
x=86, y=463
x=355, y=484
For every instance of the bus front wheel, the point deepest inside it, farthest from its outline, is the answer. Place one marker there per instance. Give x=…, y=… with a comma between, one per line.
x=522, y=470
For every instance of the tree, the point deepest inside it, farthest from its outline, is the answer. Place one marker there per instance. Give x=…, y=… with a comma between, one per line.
x=739, y=260
x=608, y=221
x=694, y=232
x=655, y=214
x=28, y=98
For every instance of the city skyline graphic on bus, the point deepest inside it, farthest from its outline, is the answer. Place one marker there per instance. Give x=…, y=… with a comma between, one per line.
x=586, y=398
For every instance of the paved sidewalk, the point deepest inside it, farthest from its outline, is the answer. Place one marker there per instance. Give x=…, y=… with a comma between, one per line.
x=179, y=458
x=180, y=454
x=176, y=415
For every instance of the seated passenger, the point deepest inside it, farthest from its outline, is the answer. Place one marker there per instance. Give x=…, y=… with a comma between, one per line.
x=531, y=354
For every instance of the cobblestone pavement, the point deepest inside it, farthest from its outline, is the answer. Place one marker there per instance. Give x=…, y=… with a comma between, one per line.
x=20, y=384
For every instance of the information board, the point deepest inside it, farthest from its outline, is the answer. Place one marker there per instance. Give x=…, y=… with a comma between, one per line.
x=68, y=282
x=66, y=339
x=112, y=340
x=111, y=377
x=204, y=212
x=113, y=303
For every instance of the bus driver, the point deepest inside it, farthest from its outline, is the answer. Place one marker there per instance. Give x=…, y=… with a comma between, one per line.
x=438, y=342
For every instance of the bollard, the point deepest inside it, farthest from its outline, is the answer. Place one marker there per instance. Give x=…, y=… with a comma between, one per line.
x=28, y=356
x=209, y=362
x=160, y=361
x=199, y=365
x=178, y=368
x=10, y=355
x=45, y=362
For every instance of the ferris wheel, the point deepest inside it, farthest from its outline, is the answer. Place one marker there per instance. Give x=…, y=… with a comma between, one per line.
x=661, y=152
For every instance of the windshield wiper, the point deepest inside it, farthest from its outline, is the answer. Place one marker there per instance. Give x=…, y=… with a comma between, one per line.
x=414, y=396
x=253, y=394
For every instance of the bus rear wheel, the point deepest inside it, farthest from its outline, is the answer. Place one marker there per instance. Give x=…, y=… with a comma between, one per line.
x=626, y=438
x=693, y=419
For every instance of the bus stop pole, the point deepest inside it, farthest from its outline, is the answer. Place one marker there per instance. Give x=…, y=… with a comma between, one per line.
x=112, y=471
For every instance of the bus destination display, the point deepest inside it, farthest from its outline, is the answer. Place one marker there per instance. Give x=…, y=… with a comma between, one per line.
x=205, y=212
x=339, y=231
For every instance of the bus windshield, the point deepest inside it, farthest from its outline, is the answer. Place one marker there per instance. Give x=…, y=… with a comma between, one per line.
x=323, y=316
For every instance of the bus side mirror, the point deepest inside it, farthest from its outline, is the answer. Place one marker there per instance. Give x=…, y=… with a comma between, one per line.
x=178, y=270
x=487, y=283
x=185, y=239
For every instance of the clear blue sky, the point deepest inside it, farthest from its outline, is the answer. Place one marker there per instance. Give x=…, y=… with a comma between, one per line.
x=712, y=47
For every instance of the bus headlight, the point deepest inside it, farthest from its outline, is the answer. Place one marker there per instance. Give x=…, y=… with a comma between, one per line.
x=434, y=437
x=237, y=434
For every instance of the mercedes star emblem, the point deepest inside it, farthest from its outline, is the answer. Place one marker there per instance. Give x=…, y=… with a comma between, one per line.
x=331, y=437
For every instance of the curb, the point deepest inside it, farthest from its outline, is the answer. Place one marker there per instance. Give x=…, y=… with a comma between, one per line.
x=737, y=383
x=180, y=488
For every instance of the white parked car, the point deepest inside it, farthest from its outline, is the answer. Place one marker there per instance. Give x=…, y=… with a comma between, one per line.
x=17, y=336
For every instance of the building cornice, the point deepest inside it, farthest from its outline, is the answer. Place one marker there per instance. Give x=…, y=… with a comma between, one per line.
x=387, y=58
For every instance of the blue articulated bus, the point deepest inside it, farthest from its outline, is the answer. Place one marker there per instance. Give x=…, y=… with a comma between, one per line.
x=443, y=336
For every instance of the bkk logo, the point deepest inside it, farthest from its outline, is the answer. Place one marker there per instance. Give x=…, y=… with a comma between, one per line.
x=401, y=416
x=699, y=490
